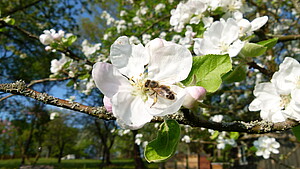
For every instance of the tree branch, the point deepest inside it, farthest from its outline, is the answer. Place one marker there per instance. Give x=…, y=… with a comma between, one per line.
x=67, y=52
x=21, y=8
x=238, y=126
x=153, y=24
x=185, y=117
x=260, y=69
x=284, y=38
x=38, y=81
x=20, y=88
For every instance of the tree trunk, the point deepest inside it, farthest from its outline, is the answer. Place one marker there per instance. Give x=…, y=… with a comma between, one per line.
x=139, y=164
x=61, y=151
x=28, y=141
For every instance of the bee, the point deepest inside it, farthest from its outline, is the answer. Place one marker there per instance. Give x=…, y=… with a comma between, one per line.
x=159, y=90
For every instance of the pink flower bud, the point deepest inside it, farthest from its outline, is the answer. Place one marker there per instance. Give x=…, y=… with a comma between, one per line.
x=193, y=95
x=107, y=104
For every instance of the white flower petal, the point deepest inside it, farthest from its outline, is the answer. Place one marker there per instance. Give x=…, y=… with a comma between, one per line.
x=287, y=76
x=258, y=22
x=169, y=63
x=235, y=48
x=197, y=48
x=277, y=117
x=129, y=59
x=109, y=80
x=255, y=105
x=230, y=32
x=130, y=111
x=164, y=106
x=207, y=46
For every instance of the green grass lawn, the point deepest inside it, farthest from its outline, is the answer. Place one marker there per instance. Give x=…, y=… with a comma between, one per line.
x=87, y=163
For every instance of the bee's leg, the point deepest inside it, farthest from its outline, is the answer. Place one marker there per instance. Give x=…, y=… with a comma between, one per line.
x=154, y=100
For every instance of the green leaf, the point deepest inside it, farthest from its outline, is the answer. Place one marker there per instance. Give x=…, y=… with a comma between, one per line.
x=296, y=131
x=253, y=148
x=252, y=50
x=70, y=83
x=67, y=64
x=164, y=146
x=214, y=135
x=207, y=71
x=54, y=45
x=268, y=43
x=9, y=20
x=85, y=76
x=234, y=135
x=236, y=75
x=71, y=40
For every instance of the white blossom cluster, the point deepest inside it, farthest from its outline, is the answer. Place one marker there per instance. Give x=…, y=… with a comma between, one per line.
x=89, y=49
x=73, y=67
x=51, y=36
x=138, y=140
x=193, y=11
x=265, y=146
x=222, y=141
x=224, y=37
x=279, y=99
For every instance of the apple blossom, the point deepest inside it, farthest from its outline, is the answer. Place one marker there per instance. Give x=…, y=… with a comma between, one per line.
x=217, y=118
x=122, y=132
x=279, y=99
x=286, y=78
x=50, y=36
x=56, y=65
x=54, y=115
x=137, y=20
x=145, y=143
x=142, y=11
x=123, y=81
x=109, y=19
x=159, y=7
x=231, y=7
x=247, y=28
x=186, y=139
x=146, y=38
x=89, y=49
x=265, y=146
x=138, y=139
x=220, y=38
x=184, y=11
x=123, y=13
x=222, y=141
x=269, y=102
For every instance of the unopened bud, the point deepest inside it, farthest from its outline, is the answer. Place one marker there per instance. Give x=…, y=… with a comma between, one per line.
x=193, y=95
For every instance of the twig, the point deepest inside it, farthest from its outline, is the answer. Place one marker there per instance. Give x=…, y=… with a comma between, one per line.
x=284, y=38
x=260, y=69
x=154, y=23
x=67, y=52
x=48, y=80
